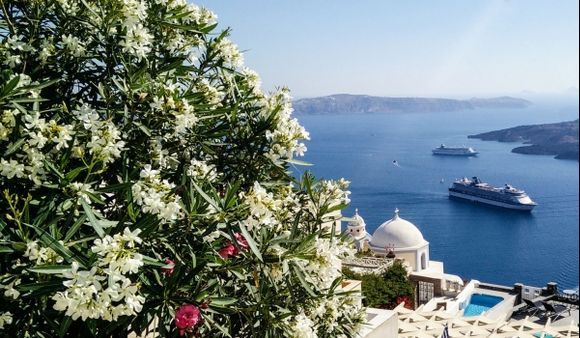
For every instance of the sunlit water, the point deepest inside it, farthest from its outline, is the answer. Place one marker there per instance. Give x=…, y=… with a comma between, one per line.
x=474, y=241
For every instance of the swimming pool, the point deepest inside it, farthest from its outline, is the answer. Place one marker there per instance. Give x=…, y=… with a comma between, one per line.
x=479, y=303
x=539, y=334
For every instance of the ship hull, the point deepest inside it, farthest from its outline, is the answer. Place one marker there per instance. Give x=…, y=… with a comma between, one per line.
x=454, y=154
x=521, y=207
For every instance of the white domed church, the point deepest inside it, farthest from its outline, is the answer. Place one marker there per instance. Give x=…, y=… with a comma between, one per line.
x=356, y=229
x=401, y=239
x=404, y=239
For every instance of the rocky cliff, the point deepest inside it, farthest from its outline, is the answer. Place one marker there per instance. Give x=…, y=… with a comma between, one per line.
x=560, y=139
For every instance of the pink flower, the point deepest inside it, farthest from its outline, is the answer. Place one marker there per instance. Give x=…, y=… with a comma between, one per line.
x=168, y=271
x=186, y=318
x=228, y=250
x=242, y=242
x=231, y=250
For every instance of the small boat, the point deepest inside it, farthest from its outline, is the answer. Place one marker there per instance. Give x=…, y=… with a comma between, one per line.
x=454, y=151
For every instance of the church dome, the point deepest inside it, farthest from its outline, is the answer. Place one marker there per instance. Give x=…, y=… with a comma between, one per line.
x=356, y=228
x=397, y=233
x=357, y=220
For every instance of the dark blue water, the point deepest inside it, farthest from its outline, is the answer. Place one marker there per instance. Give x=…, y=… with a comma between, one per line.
x=474, y=241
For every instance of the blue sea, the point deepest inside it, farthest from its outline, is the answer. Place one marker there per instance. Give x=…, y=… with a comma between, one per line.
x=474, y=241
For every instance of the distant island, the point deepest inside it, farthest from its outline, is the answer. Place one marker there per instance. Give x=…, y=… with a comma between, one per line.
x=560, y=139
x=347, y=103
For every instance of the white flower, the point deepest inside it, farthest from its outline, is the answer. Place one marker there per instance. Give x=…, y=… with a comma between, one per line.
x=11, y=292
x=263, y=207
x=12, y=60
x=15, y=43
x=73, y=45
x=155, y=196
x=253, y=79
x=7, y=123
x=37, y=139
x=200, y=170
x=11, y=169
x=132, y=264
x=288, y=132
x=91, y=294
x=62, y=302
x=60, y=134
x=229, y=53
x=105, y=139
x=212, y=236
x=131, y=237
x=81, y=190
x=70, y=7
x=185, y=119
x=148, y=173
x=303, y=327
x=5, y=319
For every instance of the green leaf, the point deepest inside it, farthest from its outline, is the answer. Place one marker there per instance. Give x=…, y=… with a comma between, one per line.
x=92, y=219
x=336, y=207
x=49, y=285
x=14, y=147
x=2, y=225
x=64, y=326
x=143, y=128
x=223, y=301
x=50, y=269
x=231, y=195
x=93, y=197
x=9, y=86
x=19, y=246
x=251, y=242
x=5, y=249
x=49, y=241
x=75, y=227
x=300, y=274
x=40, y=86
x=115, y=187
x=298, y=162
x=212, y=324
x=71, y=175
x=201, y=296
x=206, y=197
x=54, y=169
x=152, y=261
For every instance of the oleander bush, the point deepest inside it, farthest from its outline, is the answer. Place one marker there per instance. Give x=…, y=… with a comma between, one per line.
x=145, y=183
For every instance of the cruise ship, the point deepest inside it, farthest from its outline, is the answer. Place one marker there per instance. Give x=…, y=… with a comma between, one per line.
x=477, y=191
x=454, y=151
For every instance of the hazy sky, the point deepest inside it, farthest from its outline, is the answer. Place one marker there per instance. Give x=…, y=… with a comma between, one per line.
x=429, y=48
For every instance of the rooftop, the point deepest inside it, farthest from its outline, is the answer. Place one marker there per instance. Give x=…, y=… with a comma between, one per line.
x=422, y=323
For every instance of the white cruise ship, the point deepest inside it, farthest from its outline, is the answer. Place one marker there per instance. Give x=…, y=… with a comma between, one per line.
x=454, y=151
x=477, y=191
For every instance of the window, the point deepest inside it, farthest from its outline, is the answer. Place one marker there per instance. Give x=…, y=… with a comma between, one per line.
x=425, y=291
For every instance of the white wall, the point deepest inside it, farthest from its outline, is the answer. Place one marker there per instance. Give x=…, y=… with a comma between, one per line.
x=382, y=324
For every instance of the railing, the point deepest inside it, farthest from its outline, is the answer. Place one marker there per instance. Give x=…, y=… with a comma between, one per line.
x=368, y=262
x=572, y=299
x=452, y=288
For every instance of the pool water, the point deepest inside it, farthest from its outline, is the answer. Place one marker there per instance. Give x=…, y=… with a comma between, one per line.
x=539, y=334
x=479, y=303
